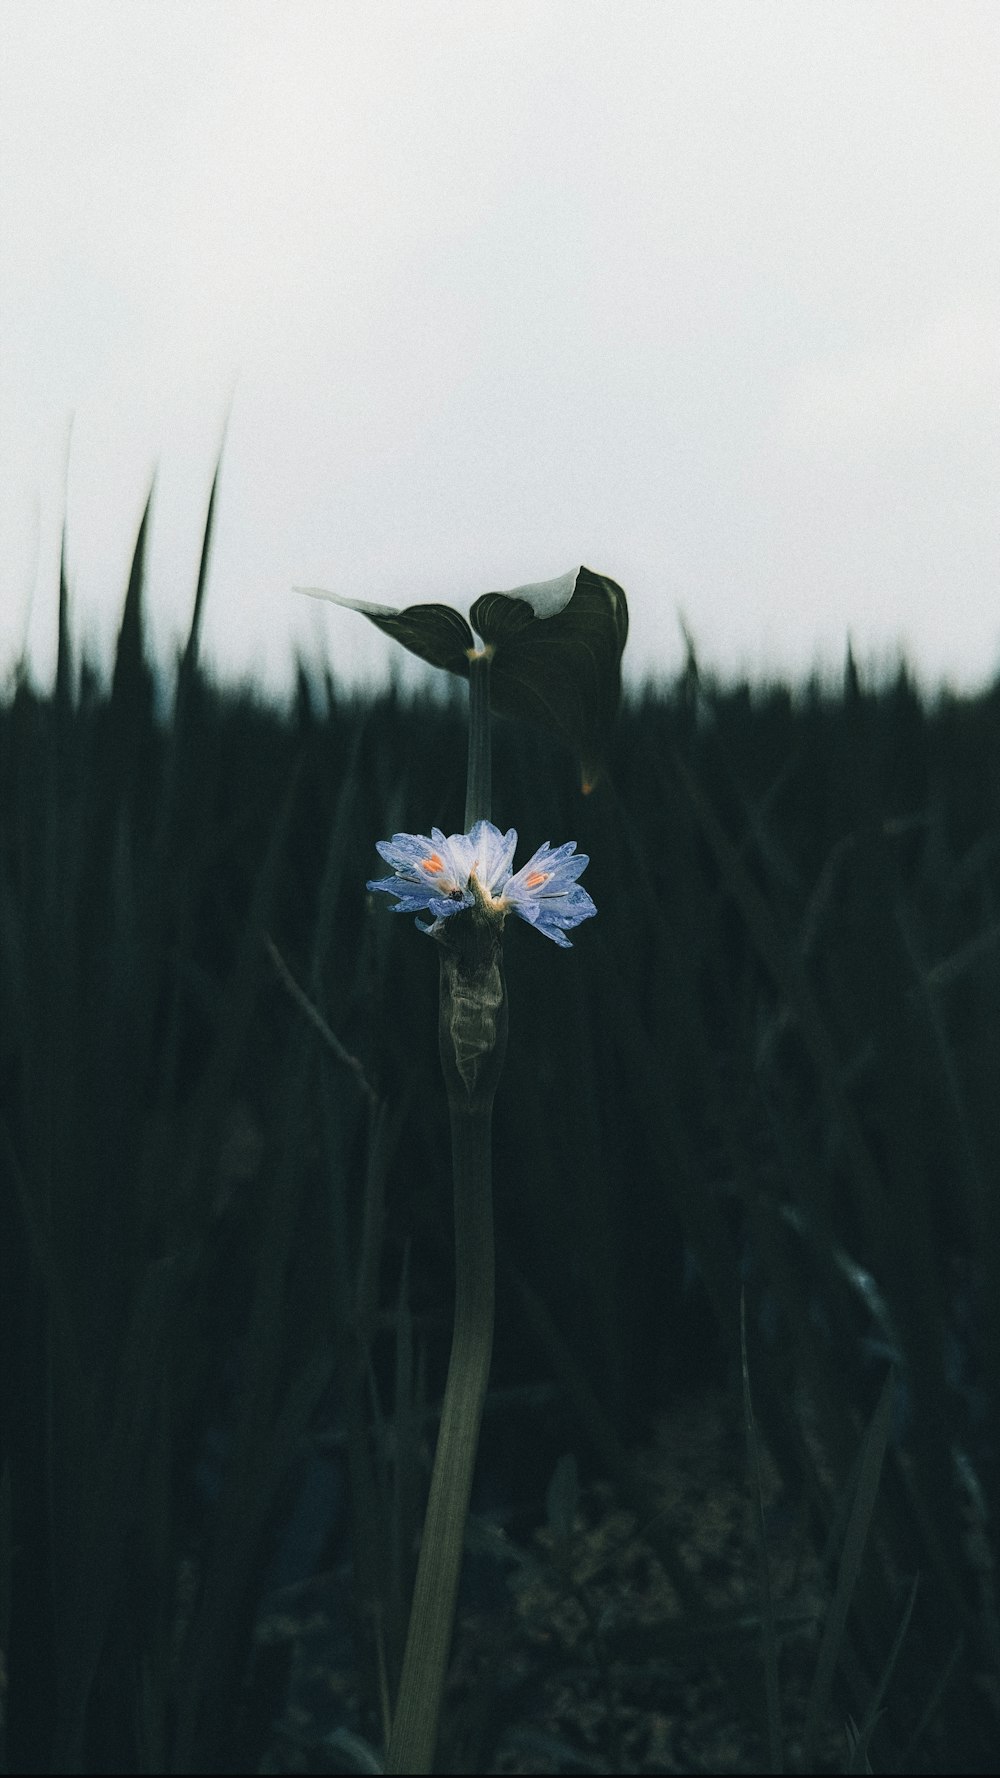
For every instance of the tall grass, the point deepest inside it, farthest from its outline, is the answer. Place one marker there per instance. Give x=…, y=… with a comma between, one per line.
x=771, y=1064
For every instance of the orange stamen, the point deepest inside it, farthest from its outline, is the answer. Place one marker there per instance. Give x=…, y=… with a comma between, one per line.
x=432, y=865
x=536, y=877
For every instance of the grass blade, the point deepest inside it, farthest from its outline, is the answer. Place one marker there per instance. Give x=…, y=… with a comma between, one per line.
x=775, y=1738
x=863, y=1735
x=855, y=1539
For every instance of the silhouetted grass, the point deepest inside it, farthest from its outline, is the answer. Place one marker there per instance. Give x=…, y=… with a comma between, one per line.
x=770, y=1065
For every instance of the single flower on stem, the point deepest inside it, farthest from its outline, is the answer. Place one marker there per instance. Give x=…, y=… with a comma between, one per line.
x=446, y=876
x=551, y=652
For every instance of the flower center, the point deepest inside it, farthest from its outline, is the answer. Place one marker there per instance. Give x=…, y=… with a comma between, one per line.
x=483, y=893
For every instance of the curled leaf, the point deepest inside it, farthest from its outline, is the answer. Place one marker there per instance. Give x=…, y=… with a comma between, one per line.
x=437, y=633
x=557, y=658
x=555, y=649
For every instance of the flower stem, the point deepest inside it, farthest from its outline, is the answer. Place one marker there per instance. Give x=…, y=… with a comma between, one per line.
x=478, y=797
x=472, y=1035
x=414, y=1728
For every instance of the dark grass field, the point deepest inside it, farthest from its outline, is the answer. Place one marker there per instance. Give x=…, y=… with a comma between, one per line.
x=771, y=1066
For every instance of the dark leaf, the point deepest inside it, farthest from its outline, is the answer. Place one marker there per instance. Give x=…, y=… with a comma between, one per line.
x=437, y=633
x=556, y=652
x=557, y=660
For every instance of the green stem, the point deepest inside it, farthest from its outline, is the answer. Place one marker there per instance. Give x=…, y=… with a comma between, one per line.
x=472, y=1034
x=478, y=798
x=428, y=1642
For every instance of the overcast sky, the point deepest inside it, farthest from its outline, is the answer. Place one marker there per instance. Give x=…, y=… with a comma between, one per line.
x=706, y=296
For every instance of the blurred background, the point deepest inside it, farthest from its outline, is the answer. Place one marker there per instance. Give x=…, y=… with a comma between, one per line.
x=705, y=298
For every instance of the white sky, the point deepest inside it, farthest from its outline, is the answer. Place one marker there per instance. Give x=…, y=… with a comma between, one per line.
x=706, y=296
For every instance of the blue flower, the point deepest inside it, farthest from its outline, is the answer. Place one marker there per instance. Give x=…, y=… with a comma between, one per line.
x=545, y=891
x=446, y=875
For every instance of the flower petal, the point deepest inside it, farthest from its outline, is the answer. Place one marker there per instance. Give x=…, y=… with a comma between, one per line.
x=546, y=894
x=493, y=854
x=436, y=873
